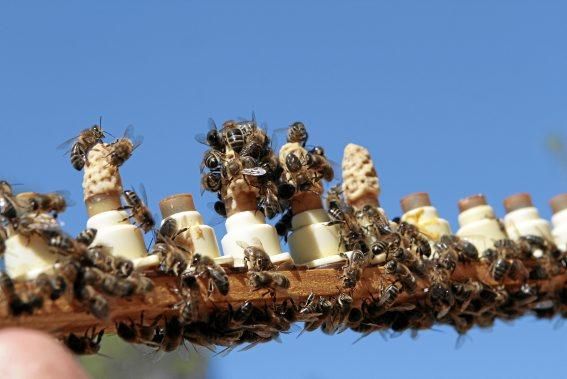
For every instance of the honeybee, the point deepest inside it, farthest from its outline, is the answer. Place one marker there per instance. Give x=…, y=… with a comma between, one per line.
x=54, y=202
x=172, y=336
x=169, y=230
x=190, y=310
x=140, y=333
x=16, y=306
x=172, y=260
x=82, y=144
x=86, y=237
x=352, y=270
x=212, y=159
x=321, y=306
x=439, y=293
x=339, y=314
x=211, y=181
x=6, y=188
x=95, y=302
x=108, y=283
x=9, y=210
x=234, y=138
x=201, y=265
x=255, y=257
x=87, y=344
x=403, y=274
x=139, y=210
x=122, y=148
x=269, y=203
x=42, y=225
x=63, y=244
x=414, y=263
x=212, y=138
x=268, y=280
x=412, y=233
x=465, y=250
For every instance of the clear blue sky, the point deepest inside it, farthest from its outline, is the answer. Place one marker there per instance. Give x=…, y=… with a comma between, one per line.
x=451, y=97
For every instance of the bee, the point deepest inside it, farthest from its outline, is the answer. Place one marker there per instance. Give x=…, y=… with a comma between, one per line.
x=139, y=333
x=220, y=208
x=121, y=150
x=201, y=265
x=53, y=288
x=465, y=250
x=268, y=280
x=352, y=270
x=142, y=284
x=507, y=248
x=63, y=244
x=339, y=314
x=499, y=269
x=42, y=225
x=252, y=150
x=95, y=302
x=211, y=181
x=86, y=237
x=212, y=138
x=234, y=139
x=283, y=226
x=285, y=190
x=323, y=307
x=411, y=232
x=191, y=303
x=140, y=211
x=389, y=295
x=297, y=133
x=87, y=344
x=212, y=159
x=415, y=264
x=6, y=188
x=108, y=283
x=403, y=274
x=320, y=164
x=172, y=260
x=447, y=256
x=439, y=293
x=172, y=335
x=241, y=314
x=269, y=203
x=54, y=202
x=82, y=144
x=255, y=257
x=169, y=230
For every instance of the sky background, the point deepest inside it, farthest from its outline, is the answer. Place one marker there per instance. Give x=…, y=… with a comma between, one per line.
x=452, y=98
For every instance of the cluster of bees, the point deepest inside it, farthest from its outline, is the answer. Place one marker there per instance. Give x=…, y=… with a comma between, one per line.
x=417, y=286
x=243, y=150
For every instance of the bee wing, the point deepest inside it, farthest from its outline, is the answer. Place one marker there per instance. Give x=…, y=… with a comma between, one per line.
x=67, y=144
x=255, y=171
x=202, y=138
x=278, y=135
x=212, y=124
x=143, y=193
x=242, y=244
x=256, y=242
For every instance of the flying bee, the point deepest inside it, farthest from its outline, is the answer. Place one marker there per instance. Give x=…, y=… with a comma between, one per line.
x=255, y=257
x=202, y=265
x=86, y=237
x=87, y=344
x=138, y=332
x=403, y=274
x=212, y=159
x=211, y=181
x=212, y=138
x=121, y=150
x=138, y=208
x=268, y=280
x=95, y=302
x=283, y=226
x=82, y=144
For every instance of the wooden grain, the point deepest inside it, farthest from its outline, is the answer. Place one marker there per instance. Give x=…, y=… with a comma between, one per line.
x=62, y=316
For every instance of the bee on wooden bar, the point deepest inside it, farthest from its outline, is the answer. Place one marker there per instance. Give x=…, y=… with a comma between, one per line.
x=172, y=335
x=87, y=344
x=86, y=237
x=352, y=270
x=16, y=306
x=138, y=332
x=140, y=211
x=82, y=144
x=268, y=280
x=255, y=256
x=204, y=266
x=95, y=302
x=403, y=274
x=172, y=259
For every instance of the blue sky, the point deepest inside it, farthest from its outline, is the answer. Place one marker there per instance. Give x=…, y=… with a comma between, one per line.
x=451, y=97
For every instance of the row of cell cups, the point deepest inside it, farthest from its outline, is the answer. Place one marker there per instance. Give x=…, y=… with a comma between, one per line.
x=312, y=242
